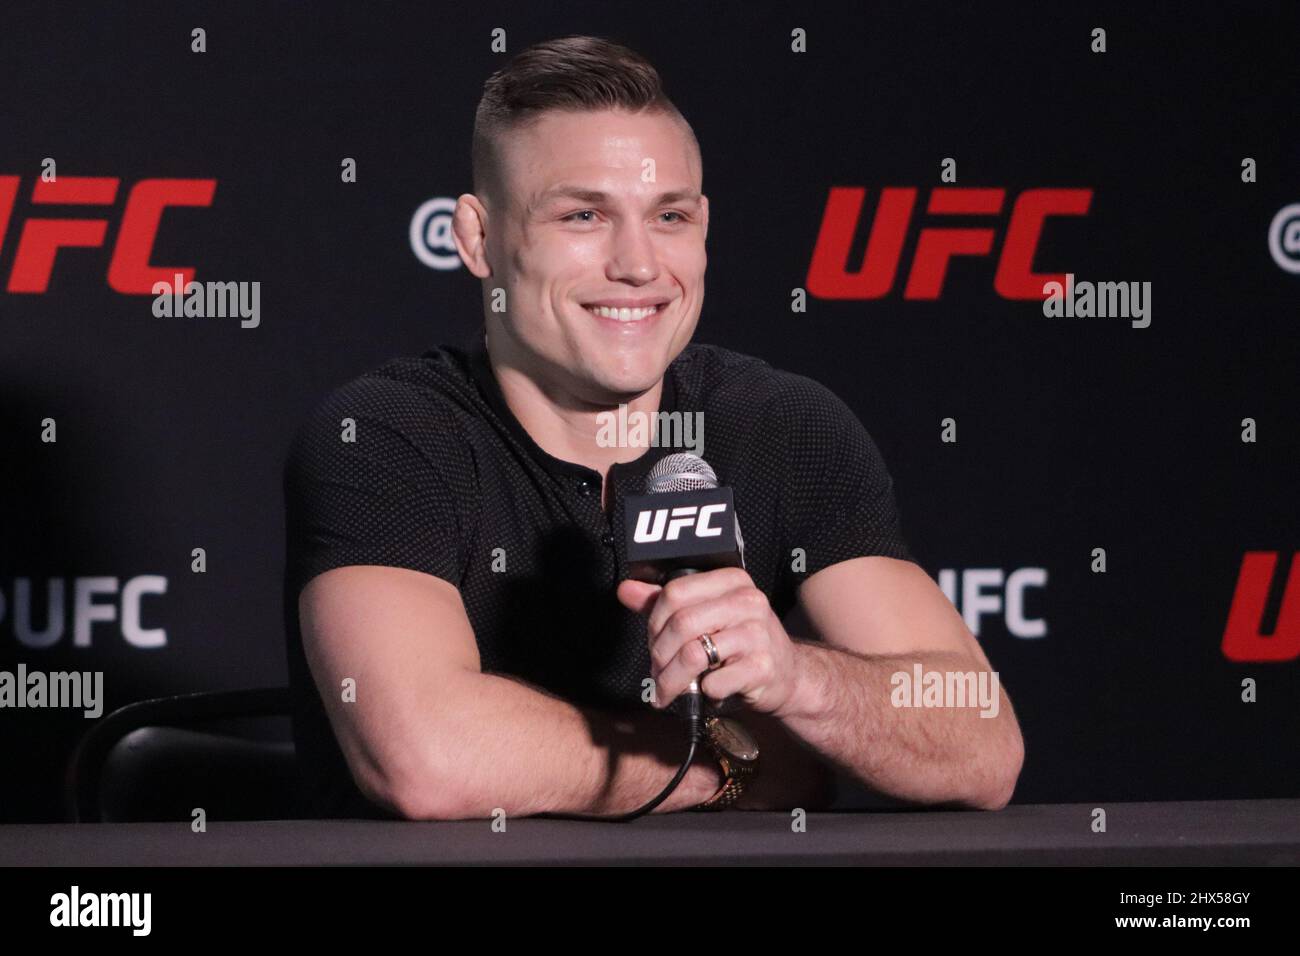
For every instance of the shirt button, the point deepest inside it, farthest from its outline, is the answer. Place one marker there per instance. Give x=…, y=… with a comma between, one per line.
x=607, y=539
x=586, y=488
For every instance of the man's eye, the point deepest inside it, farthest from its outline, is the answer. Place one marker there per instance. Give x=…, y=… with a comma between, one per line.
x=592, y=212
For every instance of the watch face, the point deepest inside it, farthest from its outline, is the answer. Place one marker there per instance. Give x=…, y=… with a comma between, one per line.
x=732, y=737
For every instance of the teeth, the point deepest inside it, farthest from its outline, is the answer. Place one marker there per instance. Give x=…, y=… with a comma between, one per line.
x=623, y=315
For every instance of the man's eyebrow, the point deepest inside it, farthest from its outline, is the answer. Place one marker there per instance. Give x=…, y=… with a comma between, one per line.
x=597, y=196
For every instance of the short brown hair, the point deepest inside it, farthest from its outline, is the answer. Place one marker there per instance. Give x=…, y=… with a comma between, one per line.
x=575, y=73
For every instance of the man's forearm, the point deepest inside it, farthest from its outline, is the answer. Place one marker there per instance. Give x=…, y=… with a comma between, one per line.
x=842, y=708
x=505, y=744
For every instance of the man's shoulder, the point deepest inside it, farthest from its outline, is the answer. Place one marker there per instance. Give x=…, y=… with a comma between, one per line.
x=404, y=390
x=718, y=376
x=419, y=399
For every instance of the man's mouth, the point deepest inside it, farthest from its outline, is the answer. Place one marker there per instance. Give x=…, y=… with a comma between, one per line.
x=626, y=314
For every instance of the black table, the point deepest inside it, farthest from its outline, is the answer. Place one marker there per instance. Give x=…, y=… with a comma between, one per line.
x=1230, y=832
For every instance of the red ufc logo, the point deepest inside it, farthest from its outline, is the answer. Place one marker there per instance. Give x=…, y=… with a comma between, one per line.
x=129, y=271
x=828, y=275
x=1242, y=640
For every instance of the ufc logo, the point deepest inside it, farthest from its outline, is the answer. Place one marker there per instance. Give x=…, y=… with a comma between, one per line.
x=984, y=594
x=681, y=518
x=1243, y=639
x=828, y=275
x=129, y=271
x=93, y=600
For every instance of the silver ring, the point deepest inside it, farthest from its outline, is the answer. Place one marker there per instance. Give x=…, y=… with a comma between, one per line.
x=712, y=650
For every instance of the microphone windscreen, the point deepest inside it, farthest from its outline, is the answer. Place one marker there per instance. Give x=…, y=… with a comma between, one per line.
x=680, y=472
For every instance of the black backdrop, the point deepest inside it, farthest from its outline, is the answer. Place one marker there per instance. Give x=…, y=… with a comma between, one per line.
x=1072, y=433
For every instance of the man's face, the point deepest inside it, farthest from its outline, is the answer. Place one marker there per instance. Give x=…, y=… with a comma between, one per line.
x=601, y=207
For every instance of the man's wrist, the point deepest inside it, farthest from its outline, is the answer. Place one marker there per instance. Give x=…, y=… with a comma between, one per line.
x=807, y=698
x=654, y=743
x=702, y=781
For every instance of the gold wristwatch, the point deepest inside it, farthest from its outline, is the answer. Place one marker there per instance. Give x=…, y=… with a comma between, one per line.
x=737, y=752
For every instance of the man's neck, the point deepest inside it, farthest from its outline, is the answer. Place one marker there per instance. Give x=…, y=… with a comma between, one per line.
x=568, y=428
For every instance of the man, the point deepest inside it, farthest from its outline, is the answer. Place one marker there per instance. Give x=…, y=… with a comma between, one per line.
x=462, y=634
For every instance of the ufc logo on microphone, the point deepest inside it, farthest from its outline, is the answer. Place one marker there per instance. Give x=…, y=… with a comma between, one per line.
x=828, y=275
x=129, y=271
x=669, y=528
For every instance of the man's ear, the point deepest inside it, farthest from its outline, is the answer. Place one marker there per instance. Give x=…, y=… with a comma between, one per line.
x=469, y=224
x=704, y=205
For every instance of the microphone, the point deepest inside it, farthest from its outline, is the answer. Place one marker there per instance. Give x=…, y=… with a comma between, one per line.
x=684, y=524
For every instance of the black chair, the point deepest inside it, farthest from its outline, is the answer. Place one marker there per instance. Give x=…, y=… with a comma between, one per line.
x=145, y=761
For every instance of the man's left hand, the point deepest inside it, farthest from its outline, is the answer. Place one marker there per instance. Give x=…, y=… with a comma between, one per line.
x=758, y=657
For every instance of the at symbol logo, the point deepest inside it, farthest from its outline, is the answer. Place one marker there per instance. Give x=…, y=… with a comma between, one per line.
x=431, y=236
x=1284, y=238
x=682, y=517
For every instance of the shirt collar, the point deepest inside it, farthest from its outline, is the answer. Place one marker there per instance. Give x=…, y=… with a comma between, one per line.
x=480, y=368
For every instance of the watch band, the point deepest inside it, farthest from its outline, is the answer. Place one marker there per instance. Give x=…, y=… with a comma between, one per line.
x=735, y=773
x=730, y=791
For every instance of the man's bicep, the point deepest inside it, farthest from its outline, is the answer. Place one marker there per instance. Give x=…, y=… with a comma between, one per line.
x=838, y=498
x=879, y=605
x=375, y=493
x=386, y=647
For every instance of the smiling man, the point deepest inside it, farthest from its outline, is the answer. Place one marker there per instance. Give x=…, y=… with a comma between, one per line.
x=462, y=633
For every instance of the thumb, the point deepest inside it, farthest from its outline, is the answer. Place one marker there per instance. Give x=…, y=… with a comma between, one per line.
x=637, y=596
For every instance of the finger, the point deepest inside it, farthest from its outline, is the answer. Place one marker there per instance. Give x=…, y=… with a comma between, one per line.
x=746, y=676
x=687, y=625
x=694, y=589
x=637, y=596
x=692, y=660
x=747, y=604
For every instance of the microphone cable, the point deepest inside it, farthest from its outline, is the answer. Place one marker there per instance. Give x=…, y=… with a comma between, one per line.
x=694, y=734
x=678, y=472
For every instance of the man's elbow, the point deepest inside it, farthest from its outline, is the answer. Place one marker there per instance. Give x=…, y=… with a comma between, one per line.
x=424, y=802
x=1003, y=775
x=412, y=790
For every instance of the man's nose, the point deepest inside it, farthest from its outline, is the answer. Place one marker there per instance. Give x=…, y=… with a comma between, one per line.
x=633, y=256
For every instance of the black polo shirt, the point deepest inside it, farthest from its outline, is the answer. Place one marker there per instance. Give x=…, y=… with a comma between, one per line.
x=441, y=478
